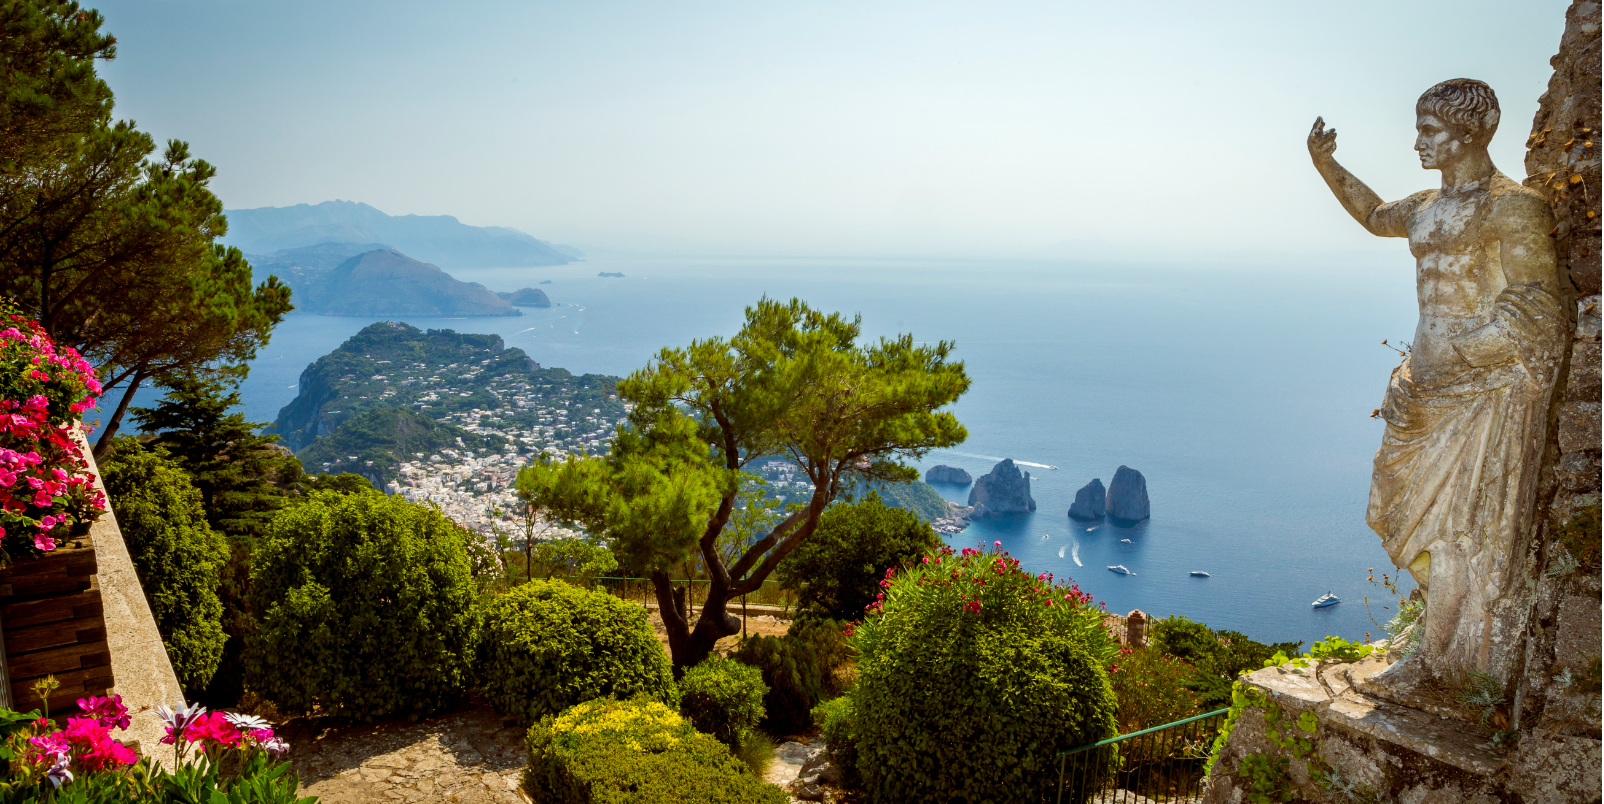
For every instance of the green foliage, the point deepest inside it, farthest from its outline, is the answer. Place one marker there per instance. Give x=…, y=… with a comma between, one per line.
x=1268, y=776
x=798, y=669
x=343, y=483
x=838, y=722
x=47, y=55
x=572, y=558
x=549, y=645
x=1482, y=693
x=972, y=676
x=723, y=698
x=1580, y=536
x=837, y=572
x=1152, y=688
x=634, y=752
x=793, y=381
x=240, y=474
x=366, y=608
x=1218, y=656
x=1339, y=649
x=178, y=557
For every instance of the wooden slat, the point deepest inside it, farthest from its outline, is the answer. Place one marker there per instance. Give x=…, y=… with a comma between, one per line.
x=58, y=660
x=52, y=609
x=52, y=635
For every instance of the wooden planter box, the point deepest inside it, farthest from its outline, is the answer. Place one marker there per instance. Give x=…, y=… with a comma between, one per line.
x=53, y=623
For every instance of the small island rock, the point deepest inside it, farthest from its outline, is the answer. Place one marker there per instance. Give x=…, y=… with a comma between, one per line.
x=1089, y=501
x=1127, y=495
x=527, y=297
x=1003, y=490
x=948, y=474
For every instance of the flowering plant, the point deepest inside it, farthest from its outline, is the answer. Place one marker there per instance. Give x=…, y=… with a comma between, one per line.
x=46, y=488
x=40, y=759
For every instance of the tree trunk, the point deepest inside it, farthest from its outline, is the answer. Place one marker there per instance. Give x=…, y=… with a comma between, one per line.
x=109, y=430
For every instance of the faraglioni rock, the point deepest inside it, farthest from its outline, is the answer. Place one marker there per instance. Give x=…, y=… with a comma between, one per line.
x=1127, y=495
x=948, y=474
x=1003, y=490
x=1090, y=501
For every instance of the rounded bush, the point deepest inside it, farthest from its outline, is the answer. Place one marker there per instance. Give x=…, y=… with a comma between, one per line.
x=1153, y=689
x=837, y=720
x=972, y=676
x=607, y=751
x=723, y=698
x=549, y=645
x=366, y=608
x=836, y=571
x=178, y=557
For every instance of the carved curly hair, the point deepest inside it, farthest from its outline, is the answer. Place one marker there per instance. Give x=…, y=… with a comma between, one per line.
x=1465, y=104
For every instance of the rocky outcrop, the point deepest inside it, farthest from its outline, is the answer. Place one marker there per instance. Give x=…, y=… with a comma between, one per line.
x=948, y=474
x=1090, y=501
x=1127, y=495
x=1003, y=490
x=527, y=297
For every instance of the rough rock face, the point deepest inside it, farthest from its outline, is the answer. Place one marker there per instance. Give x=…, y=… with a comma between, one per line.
x=1003, y=490
x=948, y=474
x=1090, y=501
x=1127, y=495
x=1562, y=160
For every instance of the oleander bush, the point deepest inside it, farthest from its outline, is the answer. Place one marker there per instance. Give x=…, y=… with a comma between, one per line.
x=972, y=676
x=549, y=645
x=799, y=670
x=607, y=751
x=178, y=557
x=722, y=697
x=366, y=608
x=46, y=489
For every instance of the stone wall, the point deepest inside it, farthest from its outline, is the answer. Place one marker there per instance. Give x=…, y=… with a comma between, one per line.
x=1564, y=630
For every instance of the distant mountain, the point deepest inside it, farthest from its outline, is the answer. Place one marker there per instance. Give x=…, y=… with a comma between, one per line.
x=378, y=282
x=439, y=239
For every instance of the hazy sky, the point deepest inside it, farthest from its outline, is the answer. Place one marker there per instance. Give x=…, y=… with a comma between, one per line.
x=1159, y=129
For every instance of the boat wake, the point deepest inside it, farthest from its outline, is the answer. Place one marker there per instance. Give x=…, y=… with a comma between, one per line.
x=1017, y=462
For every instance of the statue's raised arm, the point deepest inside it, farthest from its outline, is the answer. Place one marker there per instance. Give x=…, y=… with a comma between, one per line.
x=1356, y=197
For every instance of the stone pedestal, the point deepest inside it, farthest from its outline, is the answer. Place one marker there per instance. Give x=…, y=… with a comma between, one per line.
x=1367, y=748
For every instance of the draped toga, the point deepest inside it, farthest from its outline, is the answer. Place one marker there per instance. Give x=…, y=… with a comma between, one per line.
x=1456, y=476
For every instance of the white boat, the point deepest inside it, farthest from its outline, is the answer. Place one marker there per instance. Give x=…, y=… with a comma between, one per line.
x=1325, y=600
x=1126, y=541
x=1199, y=574
x=1120, y=569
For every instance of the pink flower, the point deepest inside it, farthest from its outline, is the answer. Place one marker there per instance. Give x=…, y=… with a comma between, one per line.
x=214, y=727
x=109, y=711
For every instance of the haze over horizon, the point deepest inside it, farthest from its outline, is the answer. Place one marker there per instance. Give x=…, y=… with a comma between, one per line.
x=1159, y=130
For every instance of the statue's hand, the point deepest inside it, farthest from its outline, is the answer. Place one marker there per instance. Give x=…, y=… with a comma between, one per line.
x=1322, y=143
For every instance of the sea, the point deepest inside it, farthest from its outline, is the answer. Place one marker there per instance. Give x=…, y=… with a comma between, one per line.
x=1243, y=393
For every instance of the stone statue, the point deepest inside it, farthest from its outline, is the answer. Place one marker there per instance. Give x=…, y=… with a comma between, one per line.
x=1466, y=413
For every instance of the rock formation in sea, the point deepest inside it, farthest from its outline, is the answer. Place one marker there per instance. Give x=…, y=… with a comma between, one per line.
x=1127, y=495
x=527, y=297
x=948, y=474
x=1003, y=490
x=1090, y=501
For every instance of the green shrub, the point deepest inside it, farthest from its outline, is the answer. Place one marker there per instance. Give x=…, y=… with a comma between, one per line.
x=549, y=645
x=723, y=698
x=1218, y=656
x=837, y=571
x=837, y=720
x=798, y=669
x=366, y=608
x=178, y=557
x=611, y=752
x=972, y=676
x=1153, y=689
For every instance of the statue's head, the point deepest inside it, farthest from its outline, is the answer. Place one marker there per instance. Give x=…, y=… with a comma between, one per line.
x=1454, y=118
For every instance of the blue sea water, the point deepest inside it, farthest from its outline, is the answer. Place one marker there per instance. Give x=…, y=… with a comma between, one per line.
x=1243, y=395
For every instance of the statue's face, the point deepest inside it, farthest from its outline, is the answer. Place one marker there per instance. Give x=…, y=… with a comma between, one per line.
x=1436, y=143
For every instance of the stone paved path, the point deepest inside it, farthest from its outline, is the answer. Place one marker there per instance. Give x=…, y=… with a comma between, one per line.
x=465, y=757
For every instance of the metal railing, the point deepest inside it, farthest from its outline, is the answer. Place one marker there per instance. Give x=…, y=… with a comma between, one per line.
x=1161, y=764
